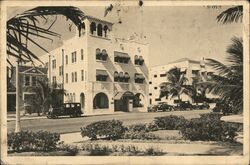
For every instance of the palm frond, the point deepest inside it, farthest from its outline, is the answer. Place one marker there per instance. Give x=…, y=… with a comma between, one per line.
x=233, y=14
x=23, y=27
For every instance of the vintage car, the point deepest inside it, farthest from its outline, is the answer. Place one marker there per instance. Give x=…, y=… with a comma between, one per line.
x=162, y=106
x=67, y=109
x=184, y=105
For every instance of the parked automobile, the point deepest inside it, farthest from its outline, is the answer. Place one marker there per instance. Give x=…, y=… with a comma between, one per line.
x=152, y=108
x=67, y=109
x=163, y=106
x=202, y=106
x=184, y=105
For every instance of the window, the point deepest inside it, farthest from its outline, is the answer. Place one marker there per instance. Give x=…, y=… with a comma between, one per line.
x=53, y=64
x=155, y=75
x=150, y=82
x=139, y=78
x=60, y=70
x=121, y=57
x=116, y=76
x=150, y=94
x=66, y=78
x=72, y=76
x=101, y=55
x=66, y=59
x=75, y=76
x=157, y=99
x=100, y=101
x=82, y=74
x=139, y=60
x=101, y=75
x=82, y=53
x=105, y=28
x=54, y=79
x=99, y=30
x=73, y=56
x=163, y=75
x=126, y=77
x=26, y=80
x=33, y=80
x=155, y=88
x=92, y=28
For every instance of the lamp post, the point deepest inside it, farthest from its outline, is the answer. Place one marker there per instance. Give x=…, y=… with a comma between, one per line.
x=18, y=124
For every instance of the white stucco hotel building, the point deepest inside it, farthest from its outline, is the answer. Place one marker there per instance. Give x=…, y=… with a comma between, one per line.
x=105, y=74
x=157, y=75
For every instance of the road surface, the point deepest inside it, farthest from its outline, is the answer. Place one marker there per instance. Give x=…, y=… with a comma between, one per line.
x=67, y=125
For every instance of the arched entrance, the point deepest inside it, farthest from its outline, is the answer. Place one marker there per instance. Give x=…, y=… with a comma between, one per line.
x=123, y=101
x=82, y=100
x=101, y=101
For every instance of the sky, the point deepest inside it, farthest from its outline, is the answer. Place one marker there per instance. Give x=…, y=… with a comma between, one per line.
x=172, y=32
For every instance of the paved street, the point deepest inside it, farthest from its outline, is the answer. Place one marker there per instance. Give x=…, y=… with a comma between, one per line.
x=67, y=125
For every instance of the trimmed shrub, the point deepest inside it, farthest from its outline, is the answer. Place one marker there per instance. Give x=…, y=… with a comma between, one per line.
x=142, y=135
x=32, y=141
x=109, y=129
x=208, y=127
x=171, y=122
x=71, y=149
x=137, y=128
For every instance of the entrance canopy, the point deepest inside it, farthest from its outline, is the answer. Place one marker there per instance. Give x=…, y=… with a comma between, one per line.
x=119, y=95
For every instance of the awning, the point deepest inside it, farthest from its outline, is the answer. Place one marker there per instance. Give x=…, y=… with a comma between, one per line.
x=101, y=73
x=119, y=95
x=139, y=76
x=122, y=55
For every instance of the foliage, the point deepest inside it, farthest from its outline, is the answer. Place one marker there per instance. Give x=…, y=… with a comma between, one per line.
x=171, y=122
x=142, y=135
x=24, y=28
x=152, y=127
x=32, y=141
x=208, y=127
x=175, y=85
x=100, y=150
x=233, y=14
x=71, y=149
x=222, y=107
x=137, y=128
x=110, y=129
x=228, y=82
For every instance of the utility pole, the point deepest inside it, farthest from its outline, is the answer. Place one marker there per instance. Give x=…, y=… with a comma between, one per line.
x=18, y=124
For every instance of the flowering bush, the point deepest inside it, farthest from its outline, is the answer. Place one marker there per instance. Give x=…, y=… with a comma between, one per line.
x=110, y=129
x=32, y=141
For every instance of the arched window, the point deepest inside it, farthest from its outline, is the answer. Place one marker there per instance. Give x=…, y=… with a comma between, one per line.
x=70, y=100
x=136, y=60
x=98, y=54
x=104, y=55
x=121, y=77
x=99, y=29
x=116, y=76
x=105, y=28
x=92, y=27
x=141, y=60
x=126, y=76
x=100, y=101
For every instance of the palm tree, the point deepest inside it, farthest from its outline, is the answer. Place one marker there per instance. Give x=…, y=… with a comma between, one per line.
x=233, y=14
x=228, y=83
x=23, y=28
x=175, y=85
